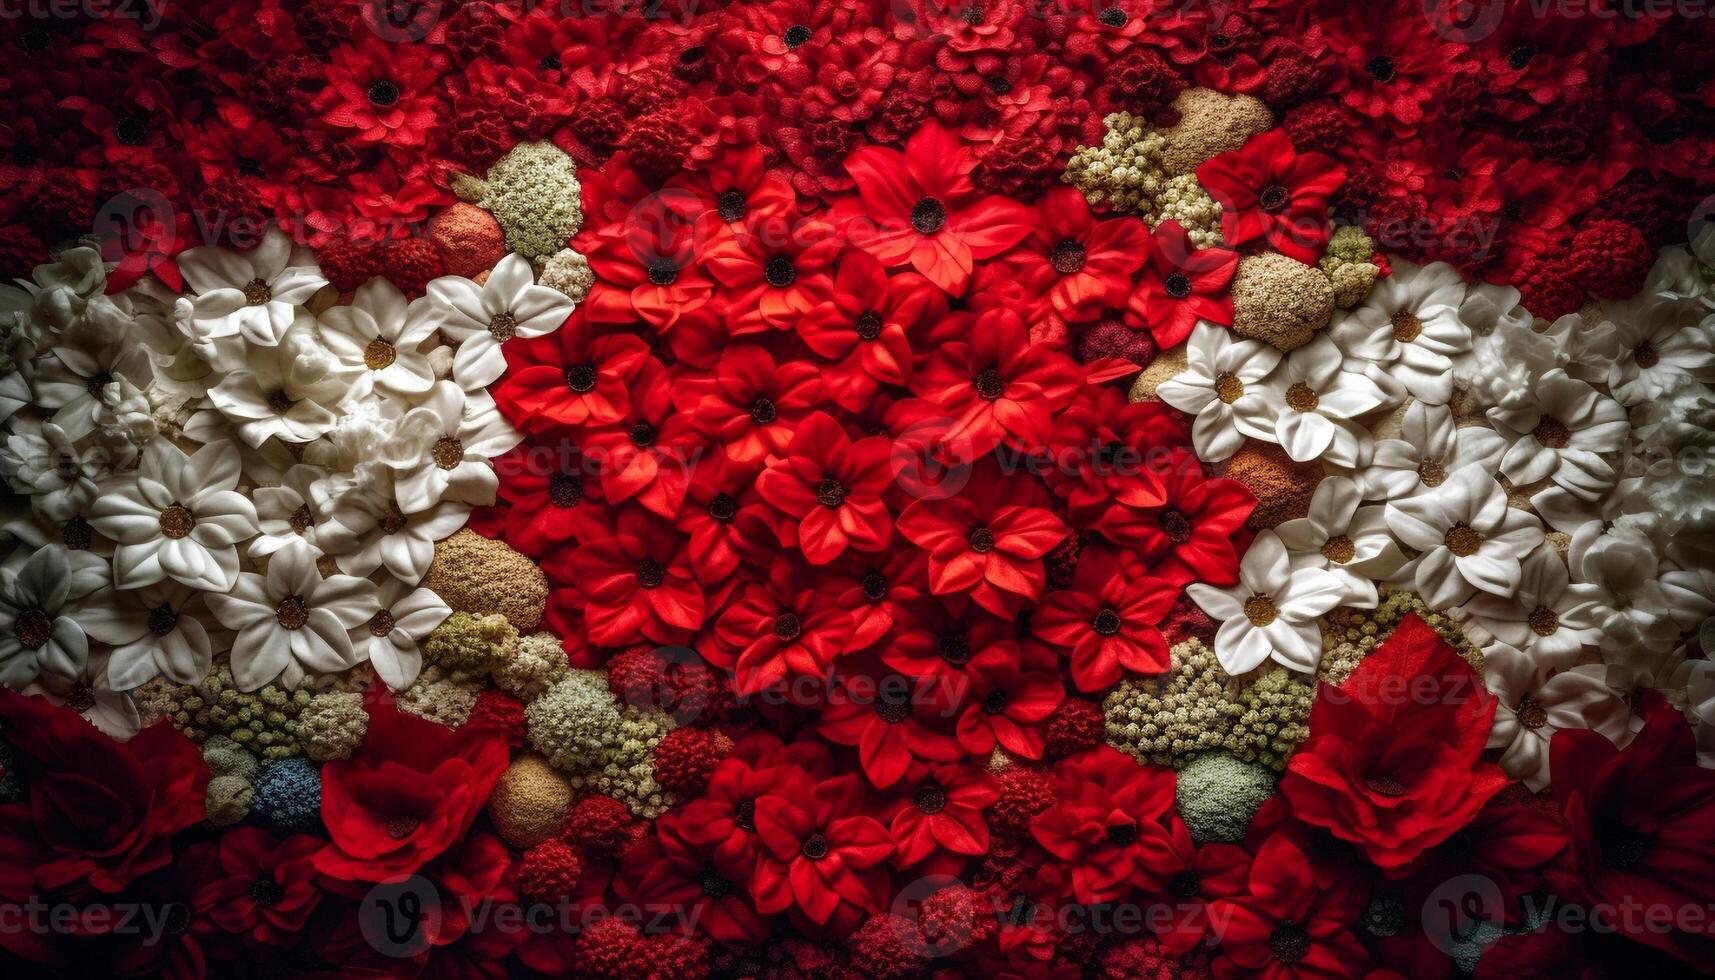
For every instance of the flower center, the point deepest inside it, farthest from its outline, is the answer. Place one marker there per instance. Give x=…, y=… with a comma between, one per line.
x=162, y=619
x=982, y=540
x=81, y=698
x=383, y=93
x=581, y=377
x=1289, y=942
x=650, y=574
x=1175, y=525
x=1646, y=355
x=1122, y=834
x=1339, y=549
x=503, y=326
x=1274, y=198
x=1068, y=257
x=382, y=624
x=1406, y=326
x=292, y=612
x=378, y=354
x=34, y=628
x=1178, y=285
x=97, y=383
x=744, y=815
x=723, y=507
x=257, y=293
x=732, y=206
x=279, y=402
x=893, y=705
x=989, y=384
x=1463, y=540
x=131, y=131
x=815, y=847
x=763, y=412
x=663, y=272
x=1531, y=714
x=1228, y=388
x=954, y=649
x=929, y=216
x=1551, y=433
x=1519, y=57
x=875, y=586
x=393, y=521
x=712, y=884
x=829, y=493
x=1301, y=397
x=266, y=892
x=1112, y=17
x=930, y=799
x=77, y=534
x=1431, y=473
x=788, y=627
x=1544, y=621
x=1380, y=68
x=995, y=703
x=643, y=435
x=796, y=35
x=780, y=272
x=1260, y=610
x=1622, y=847
x=1385, y=786
x=868, y=326
x=400, y=828
x=448, y=452
x=1106, y=622
x=177, y=521
x=565, y=490
x=1185, y=884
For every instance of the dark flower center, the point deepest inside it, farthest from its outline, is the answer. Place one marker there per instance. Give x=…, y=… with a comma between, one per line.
x=1178, y=285
x=788, y=627
x=77, y=534
x=762, y=411
x=650, y=574
x=549, y=63
x=643, y=435
x=1520, y=56
x=1551, y=433
x=663, y=272
x=565, y=490
x=34, y=628
x=266, y=892
x=382, y=623
x=1531, y=714
x=1289, y=942
x=973, y=15
x=796, y=36
x=875, y=586
x=815, y=847
x=163, y=620
x=1112, y=17
x=930, y=799
x=1185, y=884
x=581, y=377
x=713, y=885
x=97, y=383
x=893, y=704
x=1646, y=355
x=995, y=703
x=929, y=216
x=732, y=206
x=1274, y=198
x=723, y=507
x=1380, y=68
x=1106, y=622
x=1622, y=847
x=780, y=272
x=953, y=648
x=1122, y=834
x=829, y=493
x=999, y=85
x=868, y=326
x=81, y=698
x=1175, y=525
x=982, y=540
x=400, y=828
x=383, y=93
x=1068, y=257
x=989, y=384
x=1385, y=786
x=131, y=131
x=744, y=815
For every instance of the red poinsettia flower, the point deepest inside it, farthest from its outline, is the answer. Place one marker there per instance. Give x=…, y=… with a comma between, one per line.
x=942, y=812
x=892, y=720
x=1010, y=699
x=1196, y=876
x=864, y=330
x=1511, y=843
x=383, y=93
x=1106, y=823
x=1642, y=826
x=1106, y=450
x=737, y=187
x=826, y=491
x=750, y=404
x=919, y=207
x=932, y=639
x=726, y=519
x=723, y=819
x=669, y=877
x=996, y=386
x=637, y=583
x=1188, y=535
x=773, y=271
x=410, y=792
x=1109, y=621
x=646, y=455
x=1387, y=767
x=987, y=541
x=820, y=856
x=781, y=626
x=647, y=267
x=267, y=887
x=1286, y=926
x=1182, y=284
x=876, y=589
x=1086, y=264
x=574, y=376
x=555, y=500
x=1270, y=194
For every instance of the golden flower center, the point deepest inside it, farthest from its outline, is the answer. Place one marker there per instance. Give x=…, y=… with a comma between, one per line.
x=1551, y=432
x=1544, y=621
x=381, y=623
x=292, y=612
x=1406, y=326
x=257, y=293
x=1463, y=540
x=177, y=521
x=1431, y=473
x=1228, y=387
x=379, y=354
x=503, y=327
x=391, y=522
x=1302, y=397
x=1260, y=609
x=448, y=452
x=1339, y=549
x=1530, y=714
x=301, y=519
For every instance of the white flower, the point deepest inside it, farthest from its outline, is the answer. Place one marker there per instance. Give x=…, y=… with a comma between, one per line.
x=1545, y=616
x=78, y=385
x=1560, y=432
x=367, y=530
x=1660, y=345
x=1533, y=707
x=1351, y=543
x=1410, y=328
x=1691, y=597
x=390, y=639
x=1632, y=611
x=254, y=294
x=1503, y=364
x=87, y=553
x=289, y=390
x=44, y=461
x=1487, y=306
x=1221, y=386
x=179, y=517
x=38, y=633
x=456, y=437
x=380, y=337
x=292, y=621
x=287, y=513
x=111, y=711
x=1311, y=400
x=1271, y=612
x=482, y=318
x=1469, y=538
x=1432, y=448
x=155, y=631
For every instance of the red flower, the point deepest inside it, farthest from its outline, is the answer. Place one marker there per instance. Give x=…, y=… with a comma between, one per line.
x=1011, y=696
x=1197, y=876
x=726, y=519
x=826, y=491
x=996, y=386
x=94, y=811
x=268, y=886
x=820, y=856
x=892, y=720
x=750, y=404
x=555, y=499
x=1106, y=823
x=1392, y=762
x=723, y=819
x=572, y=377
x=1285, y=926
x=773, y=271
x=1109, y=621
x=919, y=207
x=666, y=876
x=987, y=541
x=1085, y=264
x=408, y=795
x=1642, y=824
x=943, y=811
x=1182, y=284
x=863, y=332
x=385, y=93
x=1187, y=536
x=646, y=455
x=647, y=267
x=783, y=626
x=737, y=188
x=637, y=584
x=1272, y=194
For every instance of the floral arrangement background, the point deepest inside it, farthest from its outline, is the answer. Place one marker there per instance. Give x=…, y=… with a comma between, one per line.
x=1099, y=489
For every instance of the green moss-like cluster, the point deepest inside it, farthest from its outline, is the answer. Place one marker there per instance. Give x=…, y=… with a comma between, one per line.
x=438, y=696
x=601, y=745
x=1218, y=795
x=1349, y=635
x=1349, y=265
x=538, y=664
x=332, y=726
x=230, y=791
x=533, y=193
x=264, y=722
x=1126, y=173
x=1196, y=708
x=468, y=647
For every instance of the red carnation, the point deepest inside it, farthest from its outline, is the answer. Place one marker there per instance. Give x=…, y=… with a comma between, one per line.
x=1270, y=193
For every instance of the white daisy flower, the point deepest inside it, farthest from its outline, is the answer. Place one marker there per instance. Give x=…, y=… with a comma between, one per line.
x=391, y=638
x=1632, y=611
x=1561, y=432
x=1430, y=449
x=158, y=631
x=292, y=621
x=38, y=632
x=380, y=337
x=479, y=319
x=1544, y=616
x=367, y=530
x=177, y=517
x=1409, y=326
x=1351, y=543
x=254, y=294
x=43, y=460
x=113, y=712
x=289, y=390
x=1469, y=538
x=1312, y=399
x=457, y=437
x=78, y=385
x=1534, y=705
x=1222, y=388
x=1271, y=612
x=1660, y=344
x=287, y=513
